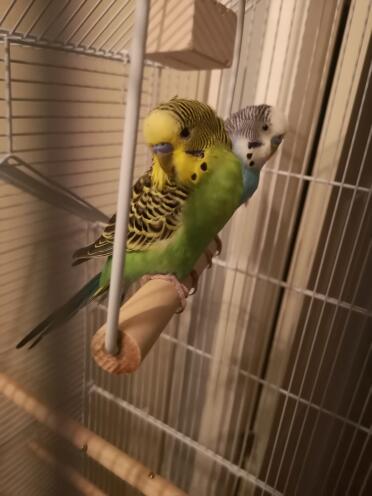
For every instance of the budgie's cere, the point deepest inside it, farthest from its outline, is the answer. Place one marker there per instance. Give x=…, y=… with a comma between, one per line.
x=256, y=132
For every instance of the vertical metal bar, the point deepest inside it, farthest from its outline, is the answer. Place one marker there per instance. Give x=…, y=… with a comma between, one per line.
x=236, y=59
x=8, y=95
x=126, y=171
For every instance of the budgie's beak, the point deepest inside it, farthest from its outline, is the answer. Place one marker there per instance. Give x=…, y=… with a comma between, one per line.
x=276, y=140
x=164, y=154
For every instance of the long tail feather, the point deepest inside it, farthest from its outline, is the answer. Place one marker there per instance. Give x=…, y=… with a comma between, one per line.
x=63, y=313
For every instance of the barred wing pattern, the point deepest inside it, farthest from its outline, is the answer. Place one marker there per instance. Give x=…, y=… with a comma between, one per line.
x=154, y=216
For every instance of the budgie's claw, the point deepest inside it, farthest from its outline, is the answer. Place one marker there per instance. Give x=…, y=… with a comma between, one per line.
x=208, y=255
x=180, y=288
x=219, y=245
x=194, y=277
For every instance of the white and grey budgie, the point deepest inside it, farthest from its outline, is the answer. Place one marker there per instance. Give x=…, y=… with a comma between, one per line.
x=256, y=132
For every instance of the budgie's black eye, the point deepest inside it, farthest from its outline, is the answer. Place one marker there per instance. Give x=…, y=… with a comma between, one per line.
x=265, y=127
x=185, y=133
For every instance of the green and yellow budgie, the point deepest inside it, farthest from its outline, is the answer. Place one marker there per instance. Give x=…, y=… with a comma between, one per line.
x=177, y=207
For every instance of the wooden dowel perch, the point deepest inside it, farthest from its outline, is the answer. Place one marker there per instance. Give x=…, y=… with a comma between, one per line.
x=141, y=320
x=110, y=457
x=83, y=485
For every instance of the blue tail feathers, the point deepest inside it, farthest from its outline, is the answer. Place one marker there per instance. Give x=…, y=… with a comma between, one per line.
x=63, y=313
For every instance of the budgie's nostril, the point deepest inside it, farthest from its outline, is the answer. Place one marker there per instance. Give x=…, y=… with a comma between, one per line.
x=254, y=144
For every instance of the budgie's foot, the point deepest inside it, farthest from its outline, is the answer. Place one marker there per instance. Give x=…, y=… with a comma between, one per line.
x=219, y=245
x=180, y=288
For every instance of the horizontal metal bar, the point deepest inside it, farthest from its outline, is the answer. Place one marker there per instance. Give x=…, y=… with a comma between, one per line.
x=67, y=147
x=218, y=459
x=305, y=292
x=65, y=100
x=59, y=116
x=258, y=379
x=30, y=40
x=56, y=116
x=70, y=68
x=71, y=100
x=68, y=85
x=66, y=133
x=314, y=179
x=87, y=159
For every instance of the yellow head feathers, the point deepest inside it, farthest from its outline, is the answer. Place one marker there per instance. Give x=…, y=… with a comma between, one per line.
x=161, y=127
x=178, y=127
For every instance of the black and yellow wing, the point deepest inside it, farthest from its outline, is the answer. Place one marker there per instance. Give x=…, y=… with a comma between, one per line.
x=154, y=216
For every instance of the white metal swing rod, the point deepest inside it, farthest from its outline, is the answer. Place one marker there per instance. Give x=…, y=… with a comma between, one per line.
x=236, y=59
x=126, y=172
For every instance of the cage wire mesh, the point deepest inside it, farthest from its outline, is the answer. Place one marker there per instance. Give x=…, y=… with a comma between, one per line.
x=262, y=385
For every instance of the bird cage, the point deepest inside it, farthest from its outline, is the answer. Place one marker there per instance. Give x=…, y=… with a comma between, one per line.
x=262, y=385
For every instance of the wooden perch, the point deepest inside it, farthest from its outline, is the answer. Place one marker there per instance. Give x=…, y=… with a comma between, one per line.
x=108, y=455
x=84, y=486
x=141, y=320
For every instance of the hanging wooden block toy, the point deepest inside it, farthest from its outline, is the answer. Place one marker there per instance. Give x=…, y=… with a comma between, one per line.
x=191, y=34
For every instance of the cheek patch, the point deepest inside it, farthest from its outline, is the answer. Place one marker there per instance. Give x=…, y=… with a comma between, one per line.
x=240, y=148
x=253, y=158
